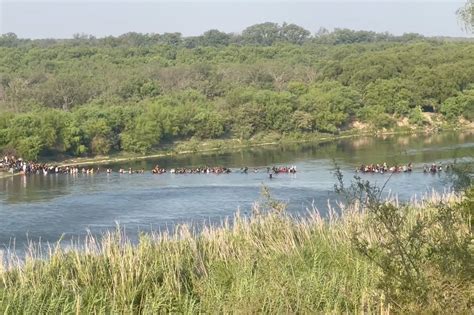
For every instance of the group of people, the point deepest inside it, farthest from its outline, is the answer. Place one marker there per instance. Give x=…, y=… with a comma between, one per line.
x=384, y=168
x=129, y=171
x=201, y=170
x=18, y=165
x=12, y=164
x=283, y=169
x=435, y=168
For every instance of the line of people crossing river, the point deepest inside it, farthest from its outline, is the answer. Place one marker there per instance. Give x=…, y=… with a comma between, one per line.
x=210, y=170
x=14, y=165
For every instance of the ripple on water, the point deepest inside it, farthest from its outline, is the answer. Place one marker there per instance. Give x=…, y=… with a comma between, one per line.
x=46, y=207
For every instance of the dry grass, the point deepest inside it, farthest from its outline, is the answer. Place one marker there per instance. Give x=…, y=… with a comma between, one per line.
x=268, y=262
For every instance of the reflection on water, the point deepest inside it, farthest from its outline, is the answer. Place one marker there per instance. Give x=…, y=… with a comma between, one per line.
x=392, y=149
x=35, y=188
x=48, y=207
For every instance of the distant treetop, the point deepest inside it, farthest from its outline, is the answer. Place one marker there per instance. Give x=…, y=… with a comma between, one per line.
x=263, y=34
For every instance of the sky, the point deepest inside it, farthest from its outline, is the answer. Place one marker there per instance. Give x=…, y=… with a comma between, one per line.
x=63, y=19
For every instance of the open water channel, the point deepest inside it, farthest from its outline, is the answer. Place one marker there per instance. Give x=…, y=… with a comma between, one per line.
x=48, y=207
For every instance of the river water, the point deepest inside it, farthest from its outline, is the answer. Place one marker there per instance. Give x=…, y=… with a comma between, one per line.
x=46, y=208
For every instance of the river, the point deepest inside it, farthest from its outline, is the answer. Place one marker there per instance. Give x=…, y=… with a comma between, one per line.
x=46, y=208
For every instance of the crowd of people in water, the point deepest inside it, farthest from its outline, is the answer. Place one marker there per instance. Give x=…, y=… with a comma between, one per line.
x=18, y=165
x=405, y=168
x=436, y=168
x=384, y=168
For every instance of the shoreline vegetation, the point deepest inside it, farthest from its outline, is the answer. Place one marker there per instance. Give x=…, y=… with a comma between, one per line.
x=157, y=95
x=194, y=147
x=202, y=147
x=139, y=93
x=268, y=262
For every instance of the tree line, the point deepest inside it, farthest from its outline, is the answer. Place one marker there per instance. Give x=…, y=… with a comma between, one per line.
x=88, y=96
x=263, y=34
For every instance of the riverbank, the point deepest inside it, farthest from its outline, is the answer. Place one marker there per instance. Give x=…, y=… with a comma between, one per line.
x=230, y=145
x=233, y=267
x=226, y=145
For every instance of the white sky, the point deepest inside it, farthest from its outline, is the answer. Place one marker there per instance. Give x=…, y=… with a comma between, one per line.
x=46, y=19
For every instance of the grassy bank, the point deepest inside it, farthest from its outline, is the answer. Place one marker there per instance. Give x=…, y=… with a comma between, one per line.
x=207, y=146
x=227, y=145
x=269, y=262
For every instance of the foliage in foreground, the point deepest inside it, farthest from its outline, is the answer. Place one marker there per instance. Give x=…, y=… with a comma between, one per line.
x=425, y=255
x=268, y=262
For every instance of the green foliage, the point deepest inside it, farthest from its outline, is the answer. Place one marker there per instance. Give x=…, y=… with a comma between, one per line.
x=458, y=106
x=218, y=271
x=215, y=38
x=415, y=117
x=88, y=95
x=376, y=116
x=402, y=259
x=466, y=15
x=73, y=139
x=294, y=34
x=141, y=135
x=395, y=96
x=331, y=104
x=261, y=34
x=424, y=254
x=208, y=124
x=303, y=121
x=30, y=147
x=139, y=88
x=66, y=91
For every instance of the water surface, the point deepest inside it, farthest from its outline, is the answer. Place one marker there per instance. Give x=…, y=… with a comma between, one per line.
x=46, y=208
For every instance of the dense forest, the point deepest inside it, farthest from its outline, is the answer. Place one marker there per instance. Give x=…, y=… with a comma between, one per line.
x=87, y=96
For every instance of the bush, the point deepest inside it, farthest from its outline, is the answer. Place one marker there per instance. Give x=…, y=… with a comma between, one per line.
x=415, y=117
x=424, y=256
x=29, y=148
x=99, y=145
x=461, y=105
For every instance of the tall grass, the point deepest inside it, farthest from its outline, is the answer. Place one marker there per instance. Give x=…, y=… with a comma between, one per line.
x=269, y=262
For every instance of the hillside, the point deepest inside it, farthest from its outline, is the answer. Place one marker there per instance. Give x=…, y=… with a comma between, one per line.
x=87, y=96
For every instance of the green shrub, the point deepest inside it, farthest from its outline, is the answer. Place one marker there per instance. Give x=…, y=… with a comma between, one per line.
x=425, y=254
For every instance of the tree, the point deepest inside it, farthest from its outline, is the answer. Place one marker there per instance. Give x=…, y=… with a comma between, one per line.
x=466, y=15
x=172, y=39
x=331, y=105
x=461, y=105
x=134, y=39
x=264, y=34
x=9, y=40
x=141, y=135
x=395, y=96
x=215, y=38
x=294, y=34
x=139, y=88
x=95, y=96
x=17, y=92
x=74, y=139
x=30, y=147
x=208, y=124
x=66, y=90
x=32, y=133
x=303, y=121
